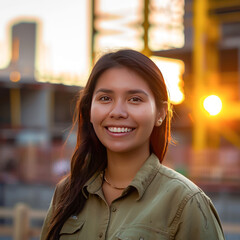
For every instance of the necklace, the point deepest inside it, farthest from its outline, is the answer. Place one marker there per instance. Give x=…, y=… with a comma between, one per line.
x=111, y=185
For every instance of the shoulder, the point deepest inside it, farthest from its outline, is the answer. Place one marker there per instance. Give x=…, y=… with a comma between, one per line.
x=62, y=183
x=168, y=179
x=188, y=204
x=59, y=190
x=174, y=180
x=176, y=189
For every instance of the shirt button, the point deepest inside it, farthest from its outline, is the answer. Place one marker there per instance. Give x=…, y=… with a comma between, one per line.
x=100, y=235
x=114, y=209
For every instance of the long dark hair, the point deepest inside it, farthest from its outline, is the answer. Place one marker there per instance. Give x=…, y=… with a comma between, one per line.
x=90, y=155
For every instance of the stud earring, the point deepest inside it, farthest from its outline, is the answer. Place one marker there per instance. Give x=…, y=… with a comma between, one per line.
x=160, y=120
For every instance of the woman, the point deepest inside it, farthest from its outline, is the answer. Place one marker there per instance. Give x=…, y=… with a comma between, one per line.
x=117, y=187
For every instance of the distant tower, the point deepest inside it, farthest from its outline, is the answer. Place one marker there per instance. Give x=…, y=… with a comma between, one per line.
x=22, y=64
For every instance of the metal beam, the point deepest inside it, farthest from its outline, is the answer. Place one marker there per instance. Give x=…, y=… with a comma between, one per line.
x=233, y=5
x=146, y=25
x=199, y=58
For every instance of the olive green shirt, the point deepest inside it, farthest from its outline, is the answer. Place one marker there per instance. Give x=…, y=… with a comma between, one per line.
x=159, y=204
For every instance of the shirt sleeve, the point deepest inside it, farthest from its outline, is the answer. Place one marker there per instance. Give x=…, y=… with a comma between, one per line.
x=46, y=223
x=55, y=199
x=199, y=220
x=48, y=218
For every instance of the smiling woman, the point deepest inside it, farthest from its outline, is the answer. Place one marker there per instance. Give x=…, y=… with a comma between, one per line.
x=123, y=113
x=118, y=187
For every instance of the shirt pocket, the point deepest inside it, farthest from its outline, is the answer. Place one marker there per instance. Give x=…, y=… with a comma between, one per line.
x=71, y=229
x=141, y=232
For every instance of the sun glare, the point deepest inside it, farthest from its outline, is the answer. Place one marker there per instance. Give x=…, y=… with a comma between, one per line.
x=172, y=70
x=213, y=105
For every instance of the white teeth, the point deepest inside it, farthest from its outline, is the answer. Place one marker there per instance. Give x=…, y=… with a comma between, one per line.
x=119, y=130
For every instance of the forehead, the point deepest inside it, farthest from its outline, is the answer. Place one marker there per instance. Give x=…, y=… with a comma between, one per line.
x=121, y=78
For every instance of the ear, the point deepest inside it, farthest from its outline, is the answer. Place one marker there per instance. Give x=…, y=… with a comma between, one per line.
x=161, y=114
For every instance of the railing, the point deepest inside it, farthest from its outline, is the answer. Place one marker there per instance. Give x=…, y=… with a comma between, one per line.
x=22, y=215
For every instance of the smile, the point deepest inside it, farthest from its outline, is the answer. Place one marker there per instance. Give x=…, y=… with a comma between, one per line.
x=119, y=129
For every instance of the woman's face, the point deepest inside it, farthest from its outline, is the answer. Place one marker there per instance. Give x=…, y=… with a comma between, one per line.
x=123, y=111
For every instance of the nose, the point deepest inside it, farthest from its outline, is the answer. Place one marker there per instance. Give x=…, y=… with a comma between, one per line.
x=118, y=111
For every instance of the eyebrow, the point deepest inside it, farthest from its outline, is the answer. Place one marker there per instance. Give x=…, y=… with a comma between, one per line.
x=133, y=91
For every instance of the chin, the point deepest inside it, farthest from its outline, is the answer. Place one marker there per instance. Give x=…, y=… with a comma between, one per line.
x=118, y=150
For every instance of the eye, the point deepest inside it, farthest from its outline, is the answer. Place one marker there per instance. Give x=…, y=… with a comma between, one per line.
x=104, y=99
x=135, y=99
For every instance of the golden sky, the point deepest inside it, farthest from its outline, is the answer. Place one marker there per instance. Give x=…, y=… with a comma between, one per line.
x=63, y=33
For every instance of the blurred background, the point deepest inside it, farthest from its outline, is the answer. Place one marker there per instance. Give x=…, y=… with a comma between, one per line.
x=47, y=49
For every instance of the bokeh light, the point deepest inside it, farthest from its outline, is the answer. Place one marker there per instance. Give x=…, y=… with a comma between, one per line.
x=213, y=105
x=172, y=70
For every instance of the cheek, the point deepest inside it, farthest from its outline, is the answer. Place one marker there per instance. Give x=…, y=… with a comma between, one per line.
x=96, y=114
x=147, y=115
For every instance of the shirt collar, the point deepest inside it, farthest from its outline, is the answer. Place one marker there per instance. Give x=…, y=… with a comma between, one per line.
x=93, y=185
x=140, y=182
x=145, y=175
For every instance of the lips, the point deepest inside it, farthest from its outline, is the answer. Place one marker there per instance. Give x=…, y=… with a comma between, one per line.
x=119, y=129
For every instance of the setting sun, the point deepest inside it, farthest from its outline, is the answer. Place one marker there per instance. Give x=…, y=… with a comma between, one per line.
x=212, y=104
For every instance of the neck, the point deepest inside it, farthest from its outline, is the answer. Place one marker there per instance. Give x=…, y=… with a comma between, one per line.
x=122, y=167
